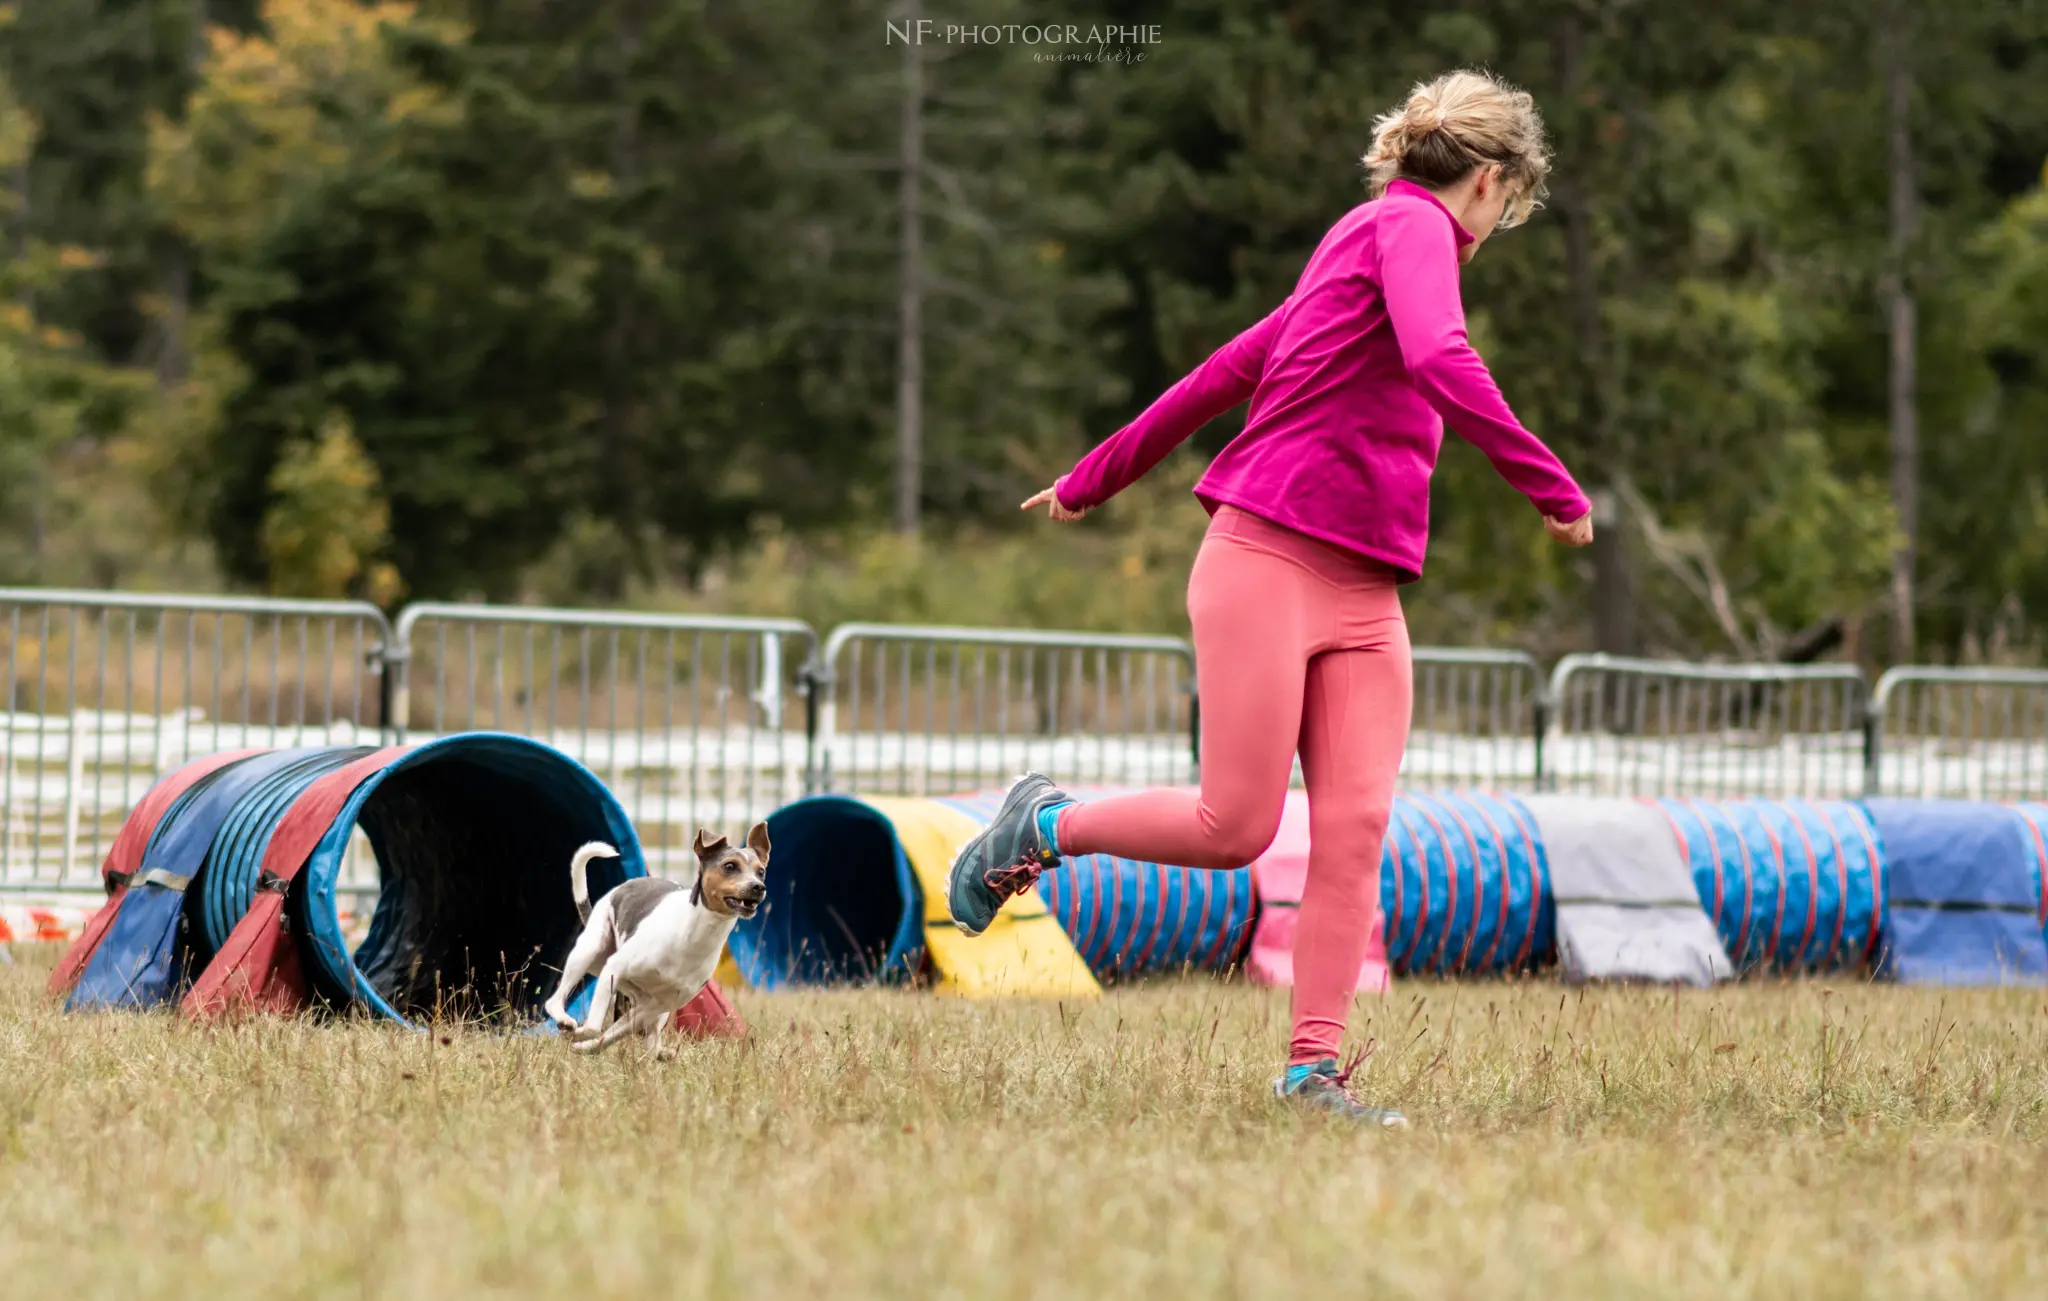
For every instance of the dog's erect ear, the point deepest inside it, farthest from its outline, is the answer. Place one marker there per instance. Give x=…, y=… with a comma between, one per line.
x=707, y=845
x=757, y=840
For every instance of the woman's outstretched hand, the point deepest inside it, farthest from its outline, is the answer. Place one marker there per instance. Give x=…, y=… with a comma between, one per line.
x=1575, y=534
x=1050, y=499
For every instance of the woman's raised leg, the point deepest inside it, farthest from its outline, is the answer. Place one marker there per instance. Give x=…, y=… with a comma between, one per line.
x=1256, y=616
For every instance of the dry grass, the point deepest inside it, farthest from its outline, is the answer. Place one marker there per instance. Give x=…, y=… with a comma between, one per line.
x=1772, y=1140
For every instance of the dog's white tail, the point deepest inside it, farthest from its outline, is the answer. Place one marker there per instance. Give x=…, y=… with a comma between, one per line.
x=579, y=875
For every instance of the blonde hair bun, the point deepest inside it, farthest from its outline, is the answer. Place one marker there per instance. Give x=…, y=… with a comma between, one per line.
x=1462, y=120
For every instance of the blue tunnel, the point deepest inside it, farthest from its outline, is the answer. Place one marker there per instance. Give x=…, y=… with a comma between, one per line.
x=844, y=904
x=472, y=836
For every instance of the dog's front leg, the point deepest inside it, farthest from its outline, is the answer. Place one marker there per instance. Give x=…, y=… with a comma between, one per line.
x=603, y=1003
x=655, y=1049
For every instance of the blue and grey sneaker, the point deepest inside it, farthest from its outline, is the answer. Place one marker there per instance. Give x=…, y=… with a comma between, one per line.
x=1323, y=1086
x=1006, y=858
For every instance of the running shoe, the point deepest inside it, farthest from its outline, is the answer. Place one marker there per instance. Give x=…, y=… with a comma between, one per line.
x=1326, y=1088
x=1006, y=858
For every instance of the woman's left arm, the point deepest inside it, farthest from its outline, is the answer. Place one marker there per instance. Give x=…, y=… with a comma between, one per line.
x=1419, y=276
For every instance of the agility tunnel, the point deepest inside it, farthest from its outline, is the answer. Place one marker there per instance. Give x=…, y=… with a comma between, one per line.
x=222, y=884
x=223, y=891
x=1464, y=886
x=1792, y=885
x=858, y=893
x=1693, y=891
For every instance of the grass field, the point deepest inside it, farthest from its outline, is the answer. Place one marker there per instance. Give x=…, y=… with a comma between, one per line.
x=1771, y=1140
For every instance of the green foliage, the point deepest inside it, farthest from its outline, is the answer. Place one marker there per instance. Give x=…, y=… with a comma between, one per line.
x=1818, y=544
x=54, y=397
x=1088, y=576
x=605, y=294
x=2005, y=434
x=327, y=520
x=297, y=174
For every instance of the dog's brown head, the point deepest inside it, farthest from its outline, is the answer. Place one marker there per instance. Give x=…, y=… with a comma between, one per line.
x=732, y=881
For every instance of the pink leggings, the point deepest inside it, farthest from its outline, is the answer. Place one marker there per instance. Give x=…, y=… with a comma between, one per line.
x=1298, y=646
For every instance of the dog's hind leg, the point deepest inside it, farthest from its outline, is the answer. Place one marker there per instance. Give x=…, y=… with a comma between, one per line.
x=624, y=1027
x=593, y=946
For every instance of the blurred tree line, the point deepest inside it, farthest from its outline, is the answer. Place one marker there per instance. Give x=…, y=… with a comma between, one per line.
x=603, y=301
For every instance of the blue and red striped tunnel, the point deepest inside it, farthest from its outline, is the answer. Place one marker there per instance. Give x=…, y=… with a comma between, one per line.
x=472, y=836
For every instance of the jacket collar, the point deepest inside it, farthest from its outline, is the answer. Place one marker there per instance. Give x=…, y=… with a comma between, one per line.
x=1405, y=186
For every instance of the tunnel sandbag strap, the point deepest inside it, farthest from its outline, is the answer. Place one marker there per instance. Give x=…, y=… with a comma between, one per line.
x=166, y=879
x=710, y=1015
x=259, y=969
x=1964, y=894
x=124, y=859
x=269, y=882
x=1023, y=954
x=1627, y=907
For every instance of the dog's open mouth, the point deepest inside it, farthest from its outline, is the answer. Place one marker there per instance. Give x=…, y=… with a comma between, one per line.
x=744, y=908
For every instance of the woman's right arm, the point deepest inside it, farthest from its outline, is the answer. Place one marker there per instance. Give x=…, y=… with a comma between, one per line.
x=1218, y=384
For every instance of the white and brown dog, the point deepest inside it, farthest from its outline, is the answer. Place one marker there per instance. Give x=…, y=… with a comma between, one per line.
x=658, y=941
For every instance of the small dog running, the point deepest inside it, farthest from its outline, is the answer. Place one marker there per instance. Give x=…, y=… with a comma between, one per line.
x=657, y=940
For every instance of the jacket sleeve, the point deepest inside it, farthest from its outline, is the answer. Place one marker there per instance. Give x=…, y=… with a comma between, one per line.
x=1419, y=276
x=1227, y=378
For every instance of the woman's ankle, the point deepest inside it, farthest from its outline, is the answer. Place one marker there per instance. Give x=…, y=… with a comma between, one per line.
x=1049, y=819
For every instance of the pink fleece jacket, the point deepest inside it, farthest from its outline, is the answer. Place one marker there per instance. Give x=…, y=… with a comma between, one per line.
x=1350, y=382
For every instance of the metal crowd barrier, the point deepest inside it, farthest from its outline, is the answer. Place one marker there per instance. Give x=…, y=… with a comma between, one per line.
x=910, y=710
x=688, y=718
x=698, y=720
x=104, y=691
x=1650, y=727
x=1978, y=734
x=1475, y=720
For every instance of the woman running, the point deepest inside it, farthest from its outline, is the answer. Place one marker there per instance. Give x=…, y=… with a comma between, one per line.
x=1319, y=509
